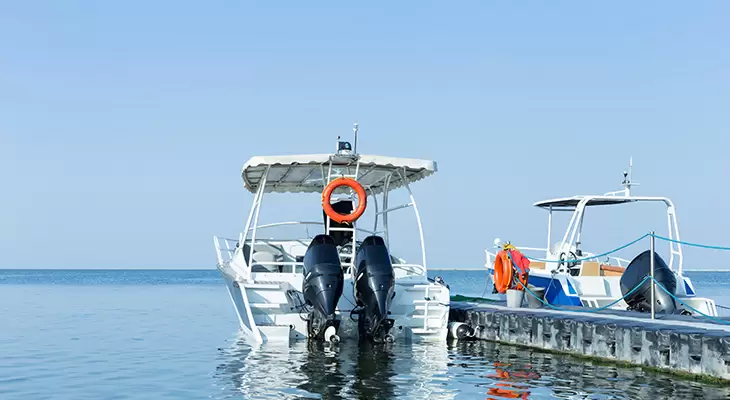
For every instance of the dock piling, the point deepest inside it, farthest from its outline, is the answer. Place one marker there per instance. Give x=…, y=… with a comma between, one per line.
x=651, y=263
x=673, y=343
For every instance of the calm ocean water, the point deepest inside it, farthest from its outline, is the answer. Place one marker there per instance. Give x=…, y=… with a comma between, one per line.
x=77, y=334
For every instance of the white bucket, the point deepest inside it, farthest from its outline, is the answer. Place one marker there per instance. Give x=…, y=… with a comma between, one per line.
x=514, y=298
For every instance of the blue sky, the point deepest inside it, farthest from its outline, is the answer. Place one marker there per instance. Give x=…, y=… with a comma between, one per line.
x=123, y=126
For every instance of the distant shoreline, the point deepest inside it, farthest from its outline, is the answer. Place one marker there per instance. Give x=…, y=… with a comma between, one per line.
x=213, y=269
x=175, y=269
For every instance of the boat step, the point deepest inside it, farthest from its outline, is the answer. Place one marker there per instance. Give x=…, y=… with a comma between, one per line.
x=336, y=229
x=433, y=302
x=430, y=316
x=266, y=305
x=599, y=298
x=263, y=286
x=432, y=307
x=422, y=331
x=421, y=288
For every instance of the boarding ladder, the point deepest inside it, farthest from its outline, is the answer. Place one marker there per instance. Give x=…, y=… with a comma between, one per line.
x=351, y=264
x=428, y=308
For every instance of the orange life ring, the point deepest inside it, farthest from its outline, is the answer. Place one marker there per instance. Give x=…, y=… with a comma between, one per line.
x=361, y=200
x=503, y=272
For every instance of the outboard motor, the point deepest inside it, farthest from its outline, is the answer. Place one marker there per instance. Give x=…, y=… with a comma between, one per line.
x=322, y=288
x=640, y=300
x=374, y=289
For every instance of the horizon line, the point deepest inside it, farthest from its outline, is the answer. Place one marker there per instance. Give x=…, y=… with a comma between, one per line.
x=214, y=269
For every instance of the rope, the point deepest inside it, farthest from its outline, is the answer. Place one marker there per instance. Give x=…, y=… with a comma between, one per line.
x=704, y=246
x=722, y=321
x=635, y=288
x=594, y=310
x=586, y=309
x=596, y=256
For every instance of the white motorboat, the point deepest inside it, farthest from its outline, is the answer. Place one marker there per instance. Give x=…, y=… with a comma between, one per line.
x=333, y=284
x=567, y=275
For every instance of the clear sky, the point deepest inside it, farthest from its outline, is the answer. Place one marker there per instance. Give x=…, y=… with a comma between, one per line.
x=124, y=125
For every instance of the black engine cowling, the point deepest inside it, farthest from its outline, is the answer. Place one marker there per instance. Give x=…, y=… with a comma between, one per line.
x=640, y=300
x=374, y=289
x=322, y=287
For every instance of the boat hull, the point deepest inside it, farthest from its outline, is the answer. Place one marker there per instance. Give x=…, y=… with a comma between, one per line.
x=270, y=308
x=564, y=290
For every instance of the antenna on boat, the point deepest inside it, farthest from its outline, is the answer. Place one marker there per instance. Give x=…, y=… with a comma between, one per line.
x=627, y=183
x=345, y=148
x=354, y=148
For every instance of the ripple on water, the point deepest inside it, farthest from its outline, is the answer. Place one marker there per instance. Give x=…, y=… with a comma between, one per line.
x=176, y=341
x=418, y=371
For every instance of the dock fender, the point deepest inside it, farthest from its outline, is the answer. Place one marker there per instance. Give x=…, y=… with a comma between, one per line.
x=460, y=331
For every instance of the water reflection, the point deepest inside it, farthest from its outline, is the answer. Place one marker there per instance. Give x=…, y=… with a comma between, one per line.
x=374, y=375
x=434, y=371
x=507, y=383
x=323, y=370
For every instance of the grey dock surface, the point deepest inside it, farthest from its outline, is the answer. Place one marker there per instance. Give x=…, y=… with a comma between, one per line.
x=677, y=344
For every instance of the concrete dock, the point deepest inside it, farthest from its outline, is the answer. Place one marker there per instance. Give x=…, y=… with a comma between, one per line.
x=676, y=344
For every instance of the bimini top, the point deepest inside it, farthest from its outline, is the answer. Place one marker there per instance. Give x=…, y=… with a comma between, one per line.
x=307, y=173
x=570, y=203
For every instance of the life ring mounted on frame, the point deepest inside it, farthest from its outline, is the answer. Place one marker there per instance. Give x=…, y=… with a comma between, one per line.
x=361, y=200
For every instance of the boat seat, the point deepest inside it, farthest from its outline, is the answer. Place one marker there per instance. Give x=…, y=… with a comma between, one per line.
x=263, y=257
x=612, y=270
x=590, y=268
x=537, y=265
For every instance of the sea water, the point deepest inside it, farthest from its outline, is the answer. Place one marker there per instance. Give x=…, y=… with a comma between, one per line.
x=112, y=334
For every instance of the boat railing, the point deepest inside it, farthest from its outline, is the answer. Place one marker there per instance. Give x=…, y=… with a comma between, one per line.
x=609, y=260
x=225, y=247
x=305, y=223
x=285, y=267
x=491, y=256
x=290, y=267
x=411, y=269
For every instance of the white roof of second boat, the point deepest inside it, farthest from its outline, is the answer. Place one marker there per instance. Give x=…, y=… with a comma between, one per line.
x=303, y=173
x=570, y=203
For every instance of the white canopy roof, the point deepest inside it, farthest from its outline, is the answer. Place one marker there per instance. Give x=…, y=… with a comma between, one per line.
x=570, y=203
x=304, y=173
